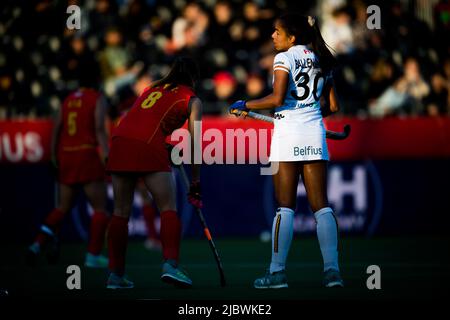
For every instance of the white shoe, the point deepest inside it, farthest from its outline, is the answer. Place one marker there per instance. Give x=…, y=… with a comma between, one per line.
x=117, y=282
x=173, y=275
x=332, y=278
x=98, y=261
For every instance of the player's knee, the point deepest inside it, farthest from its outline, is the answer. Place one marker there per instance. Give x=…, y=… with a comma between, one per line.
x=165, y=203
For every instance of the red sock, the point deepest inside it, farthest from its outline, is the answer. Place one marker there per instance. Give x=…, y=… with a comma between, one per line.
x=99, y=223
x=54, y=219
x=170, y=234
x=53, y=222
x=117, y=244
x=148, y=211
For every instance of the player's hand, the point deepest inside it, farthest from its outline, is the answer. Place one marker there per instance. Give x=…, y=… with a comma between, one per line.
x=194, y=195
x=239, y=105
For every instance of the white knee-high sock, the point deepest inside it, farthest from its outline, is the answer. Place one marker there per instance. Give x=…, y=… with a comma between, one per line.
x=327, y=233
x=282, y=231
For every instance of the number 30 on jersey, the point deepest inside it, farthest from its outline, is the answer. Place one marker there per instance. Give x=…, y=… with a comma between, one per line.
x=303, y=83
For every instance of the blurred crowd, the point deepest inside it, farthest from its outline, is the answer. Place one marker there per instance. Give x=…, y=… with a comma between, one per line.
x=122, y=45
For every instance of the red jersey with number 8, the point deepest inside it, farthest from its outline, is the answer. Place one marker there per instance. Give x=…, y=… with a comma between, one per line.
x=78, y=121
x=159, y=110
x=138, y=142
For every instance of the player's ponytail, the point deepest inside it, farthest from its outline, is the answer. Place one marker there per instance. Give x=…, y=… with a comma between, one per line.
x=184, y=71
x=306, y=31
x=320, y=47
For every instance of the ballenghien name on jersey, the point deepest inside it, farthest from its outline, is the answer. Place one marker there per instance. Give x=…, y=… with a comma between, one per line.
x=306, y=63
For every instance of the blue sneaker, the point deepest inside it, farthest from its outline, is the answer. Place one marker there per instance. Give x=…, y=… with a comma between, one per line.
x=93, y=261
x=51, y=247
x=117, y=282
x=332, y=278
x=172, y=274
x=276, y=280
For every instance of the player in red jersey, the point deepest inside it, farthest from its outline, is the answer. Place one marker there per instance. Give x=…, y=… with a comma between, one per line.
x=78, y=132
x=149, y=210
x=138, y=150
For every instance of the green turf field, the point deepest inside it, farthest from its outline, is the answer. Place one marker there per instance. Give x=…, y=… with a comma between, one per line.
x=410, y=268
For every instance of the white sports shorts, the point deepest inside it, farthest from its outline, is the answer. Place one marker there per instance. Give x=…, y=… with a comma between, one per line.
x=291, y=142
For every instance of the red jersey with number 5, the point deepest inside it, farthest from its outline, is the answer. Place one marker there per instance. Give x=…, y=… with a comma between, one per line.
x=160, y=109
x=78, y=121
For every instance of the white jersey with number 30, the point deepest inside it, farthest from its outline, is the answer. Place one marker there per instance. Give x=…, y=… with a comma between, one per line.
x=299, y=132
x=306, y=79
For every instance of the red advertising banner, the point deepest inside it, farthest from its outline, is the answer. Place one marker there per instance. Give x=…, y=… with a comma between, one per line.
x=391, y=138
x=25, y=141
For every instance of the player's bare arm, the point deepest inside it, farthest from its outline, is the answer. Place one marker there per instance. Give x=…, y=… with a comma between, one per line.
x=100, y=130
x=195, y=114
x=331, y=104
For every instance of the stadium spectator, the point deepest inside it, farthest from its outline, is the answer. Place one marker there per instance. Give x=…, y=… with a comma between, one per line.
x=80, y=64
x=437, y=102
x=405, y=95
x=338, y=33
x=224, y=89
x=219, y=34
x=102, y=17
x=114, y=58
x=254, y=86
x=381, y=77
x=189, y=30
x=115, y=63
x=441, y=13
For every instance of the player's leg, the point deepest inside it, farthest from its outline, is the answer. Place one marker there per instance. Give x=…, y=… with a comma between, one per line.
x=285, y=183
x=123, y=186
x=49, y=230
x=149, y=213
x=163, y=189
x=314, y=175
x=96, y=194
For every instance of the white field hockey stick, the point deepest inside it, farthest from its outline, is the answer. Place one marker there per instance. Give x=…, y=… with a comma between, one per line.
x=254, y=115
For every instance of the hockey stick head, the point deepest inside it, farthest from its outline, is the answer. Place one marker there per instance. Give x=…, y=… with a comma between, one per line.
x=333, y=135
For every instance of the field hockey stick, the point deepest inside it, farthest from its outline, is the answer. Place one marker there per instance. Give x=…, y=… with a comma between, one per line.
x=202, y=220
x=254, y=115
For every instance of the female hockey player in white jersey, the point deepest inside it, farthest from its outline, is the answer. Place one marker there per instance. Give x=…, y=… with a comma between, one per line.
x=302, y=74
